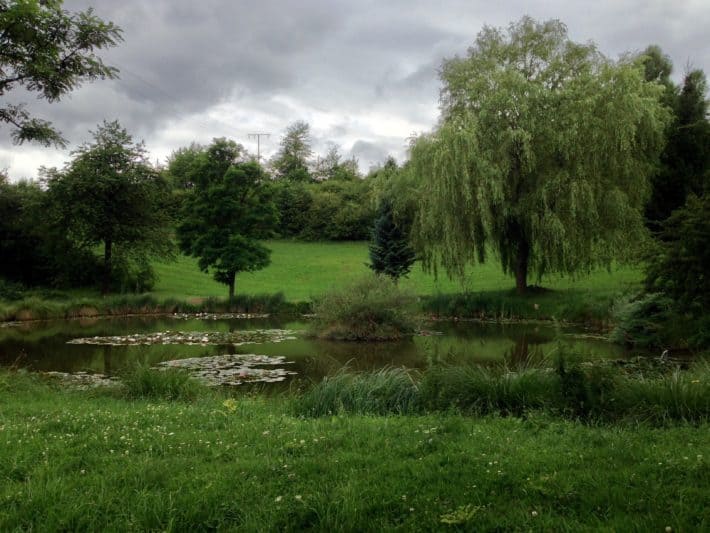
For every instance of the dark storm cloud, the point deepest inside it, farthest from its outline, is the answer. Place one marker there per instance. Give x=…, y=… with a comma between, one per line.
x=364, y=74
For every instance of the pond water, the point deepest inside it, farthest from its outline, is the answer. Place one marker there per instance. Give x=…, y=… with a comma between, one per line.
x=110, y=346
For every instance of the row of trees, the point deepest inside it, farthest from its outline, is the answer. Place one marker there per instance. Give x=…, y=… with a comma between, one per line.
x=215, y=201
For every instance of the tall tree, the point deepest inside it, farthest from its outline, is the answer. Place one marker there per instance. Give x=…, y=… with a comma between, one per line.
x=226, y=213
x=109, y=194
x=543, y=153
x=50, y=51
x=293, y=158
x=685, y=161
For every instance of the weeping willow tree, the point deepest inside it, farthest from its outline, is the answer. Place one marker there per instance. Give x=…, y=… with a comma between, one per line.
x=542, y=154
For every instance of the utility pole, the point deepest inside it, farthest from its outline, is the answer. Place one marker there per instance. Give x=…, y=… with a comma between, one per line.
x=258, y=137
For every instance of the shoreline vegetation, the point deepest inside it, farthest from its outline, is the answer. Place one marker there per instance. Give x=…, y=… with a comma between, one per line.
x=484, y=307
x=318, y=267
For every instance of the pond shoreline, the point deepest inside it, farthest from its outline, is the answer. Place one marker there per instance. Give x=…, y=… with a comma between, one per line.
x=25, y=315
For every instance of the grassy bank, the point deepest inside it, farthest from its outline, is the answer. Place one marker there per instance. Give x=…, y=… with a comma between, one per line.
x=74, y=306
x=302, y=271
x=97, y=461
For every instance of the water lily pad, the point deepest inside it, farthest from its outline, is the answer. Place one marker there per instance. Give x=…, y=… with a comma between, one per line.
x=237, y=338
x=83, y=380
x=233, y=369
x=218, y=316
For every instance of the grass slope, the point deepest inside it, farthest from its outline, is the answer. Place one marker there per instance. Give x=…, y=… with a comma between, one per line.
x=74, y=461
x=302, y=270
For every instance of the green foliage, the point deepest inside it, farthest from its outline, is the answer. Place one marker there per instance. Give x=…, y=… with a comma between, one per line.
x=685, y=162
x=544, y=153
x=678, y=266
x=169, y=384
x=386, y=391
x=373, y=308
x=293, y=201
x=600, y=392
x=335, y=210
x=674, y=310
x=292, y=160
x=49, y=51
x=109, y=194
x=642, y=321
x=10, y=290
x=226, y=213
x=390, y=251
x=481, y=391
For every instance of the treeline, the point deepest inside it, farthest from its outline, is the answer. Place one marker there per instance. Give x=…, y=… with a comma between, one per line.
x=318, y=198
x=102, y=219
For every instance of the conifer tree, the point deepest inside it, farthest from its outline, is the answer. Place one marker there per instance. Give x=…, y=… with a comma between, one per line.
x=390, y=252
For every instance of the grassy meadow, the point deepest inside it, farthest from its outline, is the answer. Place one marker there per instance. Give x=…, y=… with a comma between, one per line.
x=302, y=270
x=98, y=460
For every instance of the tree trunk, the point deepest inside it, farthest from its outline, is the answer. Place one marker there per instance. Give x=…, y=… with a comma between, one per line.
x=521, y=268
x=232, y=283
x=106, y=282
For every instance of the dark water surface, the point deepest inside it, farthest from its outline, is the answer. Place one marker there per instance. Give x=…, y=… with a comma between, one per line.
x=43, y=346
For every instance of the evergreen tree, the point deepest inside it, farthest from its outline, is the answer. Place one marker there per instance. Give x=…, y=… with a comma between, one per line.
x=293, y=158
x=49, y=51
x=685, y=162
x=390, y=252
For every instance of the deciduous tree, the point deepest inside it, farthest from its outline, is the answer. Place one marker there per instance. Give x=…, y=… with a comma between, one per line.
x=49, y=51
x=543, y=154
x=226, y=213
x=109, y=194
x=293, y=158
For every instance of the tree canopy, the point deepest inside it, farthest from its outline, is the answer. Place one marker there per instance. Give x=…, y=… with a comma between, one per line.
x=108, y=193
x=227, y=211
x=49, y=51
x=293, y=158
x=685, y=161
x=543, y=154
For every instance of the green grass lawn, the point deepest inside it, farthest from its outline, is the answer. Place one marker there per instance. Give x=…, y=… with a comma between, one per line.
x=92, y=461
x=302, y=270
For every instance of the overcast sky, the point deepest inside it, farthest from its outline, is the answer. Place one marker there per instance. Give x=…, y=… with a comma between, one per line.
x=363, y=73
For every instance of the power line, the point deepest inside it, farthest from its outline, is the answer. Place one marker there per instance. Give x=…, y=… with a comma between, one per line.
x=258, y=137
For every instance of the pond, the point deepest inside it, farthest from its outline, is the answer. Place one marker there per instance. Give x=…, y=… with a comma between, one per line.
x=110, y=346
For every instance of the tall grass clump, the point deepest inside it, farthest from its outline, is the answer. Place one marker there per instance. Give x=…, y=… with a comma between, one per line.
x=387, y=391
x=682, y=395
x=374, y=308
x=170, y=384
x=480, y=391
x=578, y=306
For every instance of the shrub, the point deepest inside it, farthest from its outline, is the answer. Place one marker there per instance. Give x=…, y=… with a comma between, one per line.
x=642, y=321
x=10, y=290
x=373, y=308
